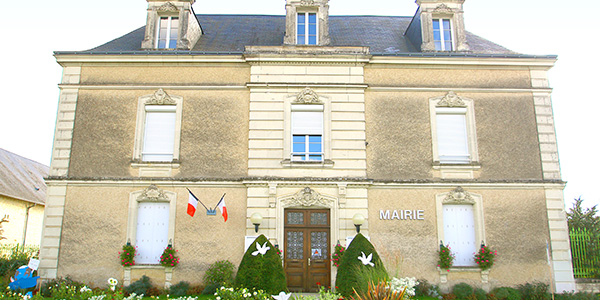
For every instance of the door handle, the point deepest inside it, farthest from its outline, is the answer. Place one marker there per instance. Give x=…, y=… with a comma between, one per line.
x=309, y=261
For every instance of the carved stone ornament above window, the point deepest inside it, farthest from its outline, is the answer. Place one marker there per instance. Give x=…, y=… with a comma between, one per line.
x=451, y=100
x=307, y=2
x=308, y=96
x=443, y=8
x=168, y=7
x=160, y=98
x=153, y=194
x=458, y=196
x=308, y=197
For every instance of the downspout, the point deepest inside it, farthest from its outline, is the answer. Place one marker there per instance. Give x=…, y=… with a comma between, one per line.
x=25, y=225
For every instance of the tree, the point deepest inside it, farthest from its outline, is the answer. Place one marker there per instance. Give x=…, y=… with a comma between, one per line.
x=585, y=223
x=261, y=268
x=580, y=218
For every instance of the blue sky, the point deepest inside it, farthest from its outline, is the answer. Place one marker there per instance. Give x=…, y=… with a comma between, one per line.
x=556, y=27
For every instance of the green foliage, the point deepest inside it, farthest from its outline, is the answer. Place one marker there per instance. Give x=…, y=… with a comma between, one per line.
x=261, y=272
x=462, y=290
x=169, y=257
x=378, y=291
x=338, y=253
x=576, y=296
x=534, y=291
x=179, y=289
x=446, y=258
x=127, y=255
x=425, y=289
x=221, y=272
x=140, y=287
x=585, y=223
x=506, y=293
x=224, y=293
x=353, y=275
x=480, y=294
x=54, y=284
x=210, y=289
x=579, y=218
x=16, y=257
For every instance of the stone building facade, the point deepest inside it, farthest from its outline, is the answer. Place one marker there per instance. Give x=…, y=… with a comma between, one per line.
x=427, y=131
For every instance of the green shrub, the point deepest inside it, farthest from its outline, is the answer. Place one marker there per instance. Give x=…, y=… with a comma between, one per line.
x=462, y=290
x=179, y=289
x=425, y=289
x=210, y=289
x=140, y=287
x=534, y=291
x=221, y=272
x=576, y=296
x=506, y=293
x=480, y=294
x=353, y=275
x=53, y=285
x=262, y=271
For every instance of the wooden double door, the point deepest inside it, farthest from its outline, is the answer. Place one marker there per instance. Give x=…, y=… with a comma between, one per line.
x=307, y=249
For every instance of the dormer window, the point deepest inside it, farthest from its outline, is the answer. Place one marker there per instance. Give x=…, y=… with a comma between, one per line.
x=307, y=28
x=442, y=35
x=167, y=33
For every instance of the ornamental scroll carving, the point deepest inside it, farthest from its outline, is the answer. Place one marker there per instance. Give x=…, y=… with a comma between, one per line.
x=458, y=196
x=308, y=96
x=307, y=2
x=443, y=8
x=307, y=197
x=168, y=7
x=160, y=98
x=450, y=100
x=153, y=194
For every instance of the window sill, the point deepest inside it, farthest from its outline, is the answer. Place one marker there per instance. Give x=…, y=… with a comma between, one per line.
x=288, y=163
x=136, y=267
x=154, y=169
x=456, y=171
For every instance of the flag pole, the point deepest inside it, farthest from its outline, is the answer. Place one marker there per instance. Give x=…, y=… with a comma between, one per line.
x=197, y=199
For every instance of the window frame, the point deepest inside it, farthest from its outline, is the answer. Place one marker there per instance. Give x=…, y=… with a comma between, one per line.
x=307, y=108
x=442, y=41
x=451, y=100
x=150, y=194
x=169, y=29
x=461, y=197
x=307, y=27
x=159, y=98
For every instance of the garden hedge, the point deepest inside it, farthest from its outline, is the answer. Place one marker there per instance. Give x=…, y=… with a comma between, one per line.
x=261, y=272
x=352, y=274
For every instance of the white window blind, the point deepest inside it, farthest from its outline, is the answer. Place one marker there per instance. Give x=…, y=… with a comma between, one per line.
x=159, y=133
x=453, y=144
x=307, y=122
x=152, y=235
x=459, y=233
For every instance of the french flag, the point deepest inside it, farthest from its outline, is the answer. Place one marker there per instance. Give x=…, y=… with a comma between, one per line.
x=192, y=204
x=223, y=208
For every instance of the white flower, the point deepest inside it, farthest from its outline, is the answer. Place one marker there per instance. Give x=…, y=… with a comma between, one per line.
x=218, y=298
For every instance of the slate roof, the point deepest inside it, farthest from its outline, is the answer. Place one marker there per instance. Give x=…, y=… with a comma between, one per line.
x=22, y=178
x=231, y=33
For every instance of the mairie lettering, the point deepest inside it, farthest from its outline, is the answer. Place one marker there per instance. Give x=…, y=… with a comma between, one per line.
x=401, y=214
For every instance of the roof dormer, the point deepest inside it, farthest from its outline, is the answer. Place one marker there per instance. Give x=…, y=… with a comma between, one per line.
x=307, y=22
x=171, y=25
x=438, y=25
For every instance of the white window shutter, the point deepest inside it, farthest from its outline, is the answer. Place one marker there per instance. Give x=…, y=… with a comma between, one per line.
x=459, y=233
x=307, y=122
x=453, y=144
x=152, y=235
x=159, y=135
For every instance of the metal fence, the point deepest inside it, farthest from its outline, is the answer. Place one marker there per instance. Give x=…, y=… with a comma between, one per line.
x=585, y=251
x=8, y=250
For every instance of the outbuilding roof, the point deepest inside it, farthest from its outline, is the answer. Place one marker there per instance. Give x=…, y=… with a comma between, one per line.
x=232, y=33
x=22, y=178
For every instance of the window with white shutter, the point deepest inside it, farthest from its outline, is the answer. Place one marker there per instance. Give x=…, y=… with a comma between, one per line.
x=152, y=234
x=159, y=133
x=452, y=135
x=459, y=233
x=307, y=133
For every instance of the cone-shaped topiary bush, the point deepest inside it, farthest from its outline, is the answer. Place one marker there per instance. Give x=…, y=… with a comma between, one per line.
x=263, y=270
x=354, y=274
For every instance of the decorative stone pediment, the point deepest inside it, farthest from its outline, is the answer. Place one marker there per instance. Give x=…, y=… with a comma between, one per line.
x=308, y=96
x=168, y=7
x=451, y=100
x=443, y=8
x=307, y=197
x=307, y=3
x=160, y=98
x=458, y=196
x=153, y=194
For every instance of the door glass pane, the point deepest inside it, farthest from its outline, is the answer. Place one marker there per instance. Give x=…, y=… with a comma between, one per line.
x=295, y=245
x=295, y=218
x=318, y=219
x=318, y=245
